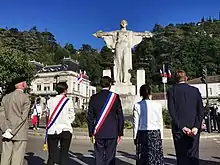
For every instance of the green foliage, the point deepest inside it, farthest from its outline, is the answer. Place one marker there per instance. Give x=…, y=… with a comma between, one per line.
x=166, y=118
x=128, y=124
x=80, y=119
x=14, y=63
x=184, y=46
x=189, y=46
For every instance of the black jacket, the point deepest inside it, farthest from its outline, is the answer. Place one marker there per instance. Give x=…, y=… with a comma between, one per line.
x=114, y=122
x=185, y=106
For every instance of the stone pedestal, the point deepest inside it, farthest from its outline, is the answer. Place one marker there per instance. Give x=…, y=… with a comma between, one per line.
x=124, y=89
x=140, y=79
x=127, y=102
x=106, y=72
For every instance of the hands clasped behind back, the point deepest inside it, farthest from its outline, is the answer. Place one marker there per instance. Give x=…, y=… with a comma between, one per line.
x=190, y=132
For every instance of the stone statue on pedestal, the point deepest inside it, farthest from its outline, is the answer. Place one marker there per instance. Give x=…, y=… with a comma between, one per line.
x=121, y=43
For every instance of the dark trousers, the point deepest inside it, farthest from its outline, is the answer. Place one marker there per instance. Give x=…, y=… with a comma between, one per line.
x=64, y=138
x=38, y=121
x=218, y=122
x=187, y=148
x=105, y=150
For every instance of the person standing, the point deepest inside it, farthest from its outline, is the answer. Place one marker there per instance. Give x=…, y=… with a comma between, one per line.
x=105, y=123
x=148, y=129
x=37, y=112
x=187, y=112
x=16, y=109
x=59, y=129
x=218, y=117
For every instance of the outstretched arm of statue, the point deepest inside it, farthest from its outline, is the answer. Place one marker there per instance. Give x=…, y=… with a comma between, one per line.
x=100, y=34
x=145, y=34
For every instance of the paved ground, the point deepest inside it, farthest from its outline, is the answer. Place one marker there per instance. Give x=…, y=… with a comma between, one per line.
x=81, y=152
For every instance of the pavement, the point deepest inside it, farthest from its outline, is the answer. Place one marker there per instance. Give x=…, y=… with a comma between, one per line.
x=81, y=152
x=82, y=133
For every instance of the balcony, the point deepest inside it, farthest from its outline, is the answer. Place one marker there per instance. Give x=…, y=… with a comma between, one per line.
x=44, y=92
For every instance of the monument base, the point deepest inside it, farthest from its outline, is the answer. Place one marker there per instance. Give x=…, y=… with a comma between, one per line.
x=127, y=102
x=124, y=89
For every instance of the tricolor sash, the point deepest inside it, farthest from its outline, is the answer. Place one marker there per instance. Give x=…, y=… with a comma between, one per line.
x=59, y=107
x=105, y=111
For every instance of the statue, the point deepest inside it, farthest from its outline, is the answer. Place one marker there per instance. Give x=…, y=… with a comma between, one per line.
x=121, y=43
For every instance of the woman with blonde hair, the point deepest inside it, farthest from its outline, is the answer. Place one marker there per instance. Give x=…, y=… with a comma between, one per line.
x=148, y=129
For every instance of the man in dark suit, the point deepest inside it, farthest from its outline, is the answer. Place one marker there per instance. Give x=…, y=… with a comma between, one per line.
x=105, y=123
x=186, y=110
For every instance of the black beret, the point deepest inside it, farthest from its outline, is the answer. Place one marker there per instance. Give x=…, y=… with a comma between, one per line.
x=18, y=80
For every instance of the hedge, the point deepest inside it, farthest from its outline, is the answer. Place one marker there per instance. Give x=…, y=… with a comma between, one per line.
x=81, y=120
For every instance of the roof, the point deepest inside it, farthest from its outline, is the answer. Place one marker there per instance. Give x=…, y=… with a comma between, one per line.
x=67, y=64
x=210, y=79
x=37, y=65
x=53, y=68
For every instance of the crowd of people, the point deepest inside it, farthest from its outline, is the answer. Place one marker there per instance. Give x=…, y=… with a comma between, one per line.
x=105, y=113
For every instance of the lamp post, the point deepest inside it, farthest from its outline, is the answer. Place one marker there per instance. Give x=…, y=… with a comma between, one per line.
x=204, y=81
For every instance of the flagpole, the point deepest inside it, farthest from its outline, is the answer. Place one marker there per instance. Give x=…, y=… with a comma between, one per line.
x=164, y=87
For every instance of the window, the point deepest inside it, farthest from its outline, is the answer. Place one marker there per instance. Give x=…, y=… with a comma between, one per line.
x=79, y=87
x=46, y=87
x=87, y=91
x=210, y=91
x=54, y=86
x=74, y=86
x=38, y=87
x=93, y=92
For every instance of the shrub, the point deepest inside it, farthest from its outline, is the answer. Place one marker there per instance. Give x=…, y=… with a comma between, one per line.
x=128, y=124
x=80, y=119
x=166, y=118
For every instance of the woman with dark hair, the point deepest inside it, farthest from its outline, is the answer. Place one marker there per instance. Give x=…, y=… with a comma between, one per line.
x=148, y=129
x=59, y=129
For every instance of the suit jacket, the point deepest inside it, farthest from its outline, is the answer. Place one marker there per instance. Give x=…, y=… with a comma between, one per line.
x=185, y=106
x=114, y=123
x=16, y=107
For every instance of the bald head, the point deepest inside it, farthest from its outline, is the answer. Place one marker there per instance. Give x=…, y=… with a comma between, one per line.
x=180, y=76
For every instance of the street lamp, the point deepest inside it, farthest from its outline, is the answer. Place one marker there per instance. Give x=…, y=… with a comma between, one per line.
x=204, y=81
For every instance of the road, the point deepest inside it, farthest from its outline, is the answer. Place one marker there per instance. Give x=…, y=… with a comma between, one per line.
x=81, y=152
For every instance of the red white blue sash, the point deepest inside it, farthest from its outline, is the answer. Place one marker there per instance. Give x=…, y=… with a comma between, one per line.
x=57, y=110
x=105, y=111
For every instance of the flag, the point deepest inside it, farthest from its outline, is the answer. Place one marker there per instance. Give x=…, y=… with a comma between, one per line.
x=164, y=73
x=169, y=74
x=85, y=75
x=80, y=77
x=161, y=73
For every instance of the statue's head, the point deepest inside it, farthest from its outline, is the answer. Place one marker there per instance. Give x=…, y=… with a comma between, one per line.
x=124, y=23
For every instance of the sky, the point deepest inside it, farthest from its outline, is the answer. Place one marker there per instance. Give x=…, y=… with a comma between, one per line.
x=74, y=21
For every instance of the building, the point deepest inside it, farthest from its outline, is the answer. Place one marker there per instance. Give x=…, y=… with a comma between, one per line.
x=213, y=89
x=213, y=86
x=47, y=77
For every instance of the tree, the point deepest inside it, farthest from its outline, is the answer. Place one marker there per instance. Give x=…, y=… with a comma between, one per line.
x=70, y=48
x=14, y=63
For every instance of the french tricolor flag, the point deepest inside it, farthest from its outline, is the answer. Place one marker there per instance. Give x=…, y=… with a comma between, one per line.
x=161, y=73
x=169, y=74
x=80, y=77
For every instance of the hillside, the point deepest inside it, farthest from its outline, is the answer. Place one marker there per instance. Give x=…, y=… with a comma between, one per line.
x=189, y=46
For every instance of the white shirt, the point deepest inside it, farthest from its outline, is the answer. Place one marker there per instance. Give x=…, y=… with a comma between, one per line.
x=65, y=118
x=38, y=109
x=218, y=109
x=147, y=116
